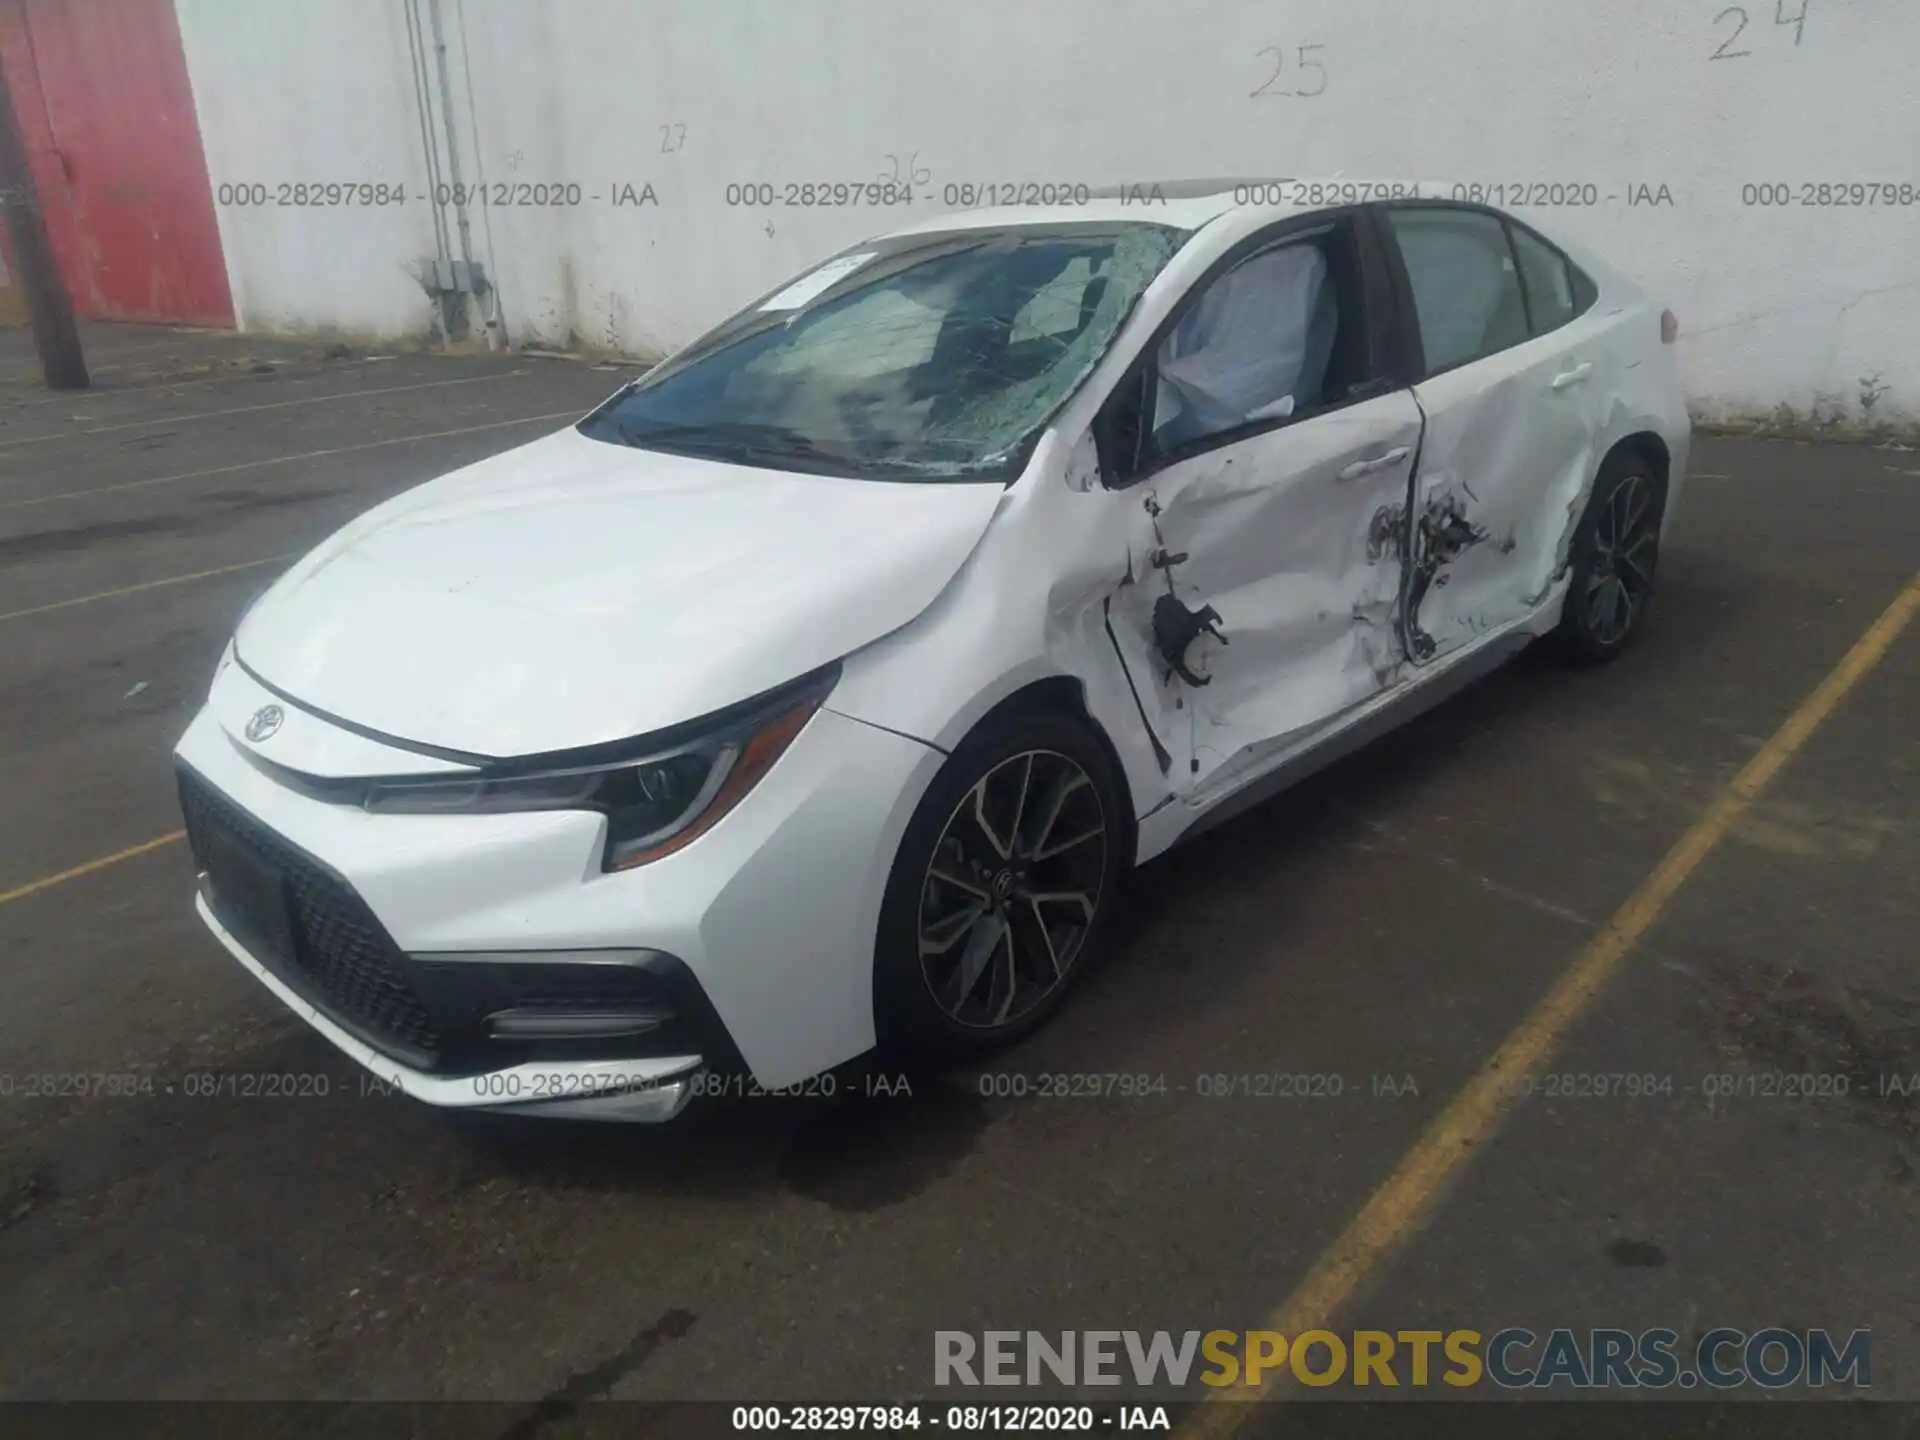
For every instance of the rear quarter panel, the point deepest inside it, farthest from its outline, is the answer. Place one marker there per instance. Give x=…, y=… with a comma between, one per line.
x=1644, y=392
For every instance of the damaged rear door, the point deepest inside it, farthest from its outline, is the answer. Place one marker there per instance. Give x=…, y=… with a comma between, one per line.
x=1515, y=373
x=1266, y=450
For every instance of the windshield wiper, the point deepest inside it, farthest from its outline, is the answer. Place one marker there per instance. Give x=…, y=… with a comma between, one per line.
x=769, y=442
x=722, y=431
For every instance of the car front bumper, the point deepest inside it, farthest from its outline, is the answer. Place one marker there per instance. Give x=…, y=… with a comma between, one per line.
x=765, y=924
x=639, y=1090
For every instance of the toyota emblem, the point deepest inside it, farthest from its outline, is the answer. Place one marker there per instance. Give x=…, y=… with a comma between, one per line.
x=265, y=723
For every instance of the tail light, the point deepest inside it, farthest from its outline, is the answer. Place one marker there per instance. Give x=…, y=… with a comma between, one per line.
x=1669, y=327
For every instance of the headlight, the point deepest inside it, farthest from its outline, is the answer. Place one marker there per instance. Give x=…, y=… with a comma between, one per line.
x=655, y=802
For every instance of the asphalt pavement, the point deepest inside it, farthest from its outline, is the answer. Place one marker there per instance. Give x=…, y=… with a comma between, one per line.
x=1382, y=930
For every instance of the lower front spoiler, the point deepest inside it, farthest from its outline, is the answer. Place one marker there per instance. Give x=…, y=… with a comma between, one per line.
x=635, y=1091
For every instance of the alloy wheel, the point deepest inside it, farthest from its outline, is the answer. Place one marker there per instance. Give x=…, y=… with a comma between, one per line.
x=1012, y=888
x=1620, y=568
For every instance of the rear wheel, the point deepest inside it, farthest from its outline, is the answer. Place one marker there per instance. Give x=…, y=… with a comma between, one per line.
x=1000, y=889
x=1615, y=552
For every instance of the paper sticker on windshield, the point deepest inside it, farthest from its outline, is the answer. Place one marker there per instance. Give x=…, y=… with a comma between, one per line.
x=817, y=282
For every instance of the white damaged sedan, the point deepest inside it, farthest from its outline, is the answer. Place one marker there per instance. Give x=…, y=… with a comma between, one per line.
x=815, y=691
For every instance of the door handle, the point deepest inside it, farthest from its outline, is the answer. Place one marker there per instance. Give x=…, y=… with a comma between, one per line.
x=1373, y=463
x=1573, y=376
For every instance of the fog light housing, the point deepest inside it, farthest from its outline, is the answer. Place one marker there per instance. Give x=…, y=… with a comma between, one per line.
x=540, y=1022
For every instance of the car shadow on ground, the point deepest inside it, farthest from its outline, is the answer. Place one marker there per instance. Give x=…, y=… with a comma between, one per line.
x=851, y=1151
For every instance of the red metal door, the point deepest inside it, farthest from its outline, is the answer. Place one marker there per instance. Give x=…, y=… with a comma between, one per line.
x=107, y=115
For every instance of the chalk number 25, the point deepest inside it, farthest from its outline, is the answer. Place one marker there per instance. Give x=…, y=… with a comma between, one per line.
x=1301, y=64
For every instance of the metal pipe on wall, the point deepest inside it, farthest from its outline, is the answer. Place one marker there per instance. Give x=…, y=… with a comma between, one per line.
x=496, y=323
x=453, y=161
x=423, y=102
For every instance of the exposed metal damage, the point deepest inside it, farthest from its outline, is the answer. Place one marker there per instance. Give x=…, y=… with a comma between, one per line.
x=1228, y=571
x=1443, y=535
x=1175, y=625
x=1387, y=532
x=1175, y=628
x=1338, y=619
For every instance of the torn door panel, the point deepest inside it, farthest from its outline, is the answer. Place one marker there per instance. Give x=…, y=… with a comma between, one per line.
x=1504, y=472
x=1136, y=706
x=1442, y=534
x=1279, y=562
x=1098, y=622
x=1308, y=642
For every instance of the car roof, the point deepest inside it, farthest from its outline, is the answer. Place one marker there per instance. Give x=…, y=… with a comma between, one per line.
x=1192, y=205
x=1184, y=204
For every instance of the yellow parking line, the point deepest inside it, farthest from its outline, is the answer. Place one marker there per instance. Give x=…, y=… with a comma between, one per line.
x=143, y=585
x=47, y=882
x=1401, y=1206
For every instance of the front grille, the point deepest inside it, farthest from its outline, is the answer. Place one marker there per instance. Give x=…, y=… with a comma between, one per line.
x=339, y=956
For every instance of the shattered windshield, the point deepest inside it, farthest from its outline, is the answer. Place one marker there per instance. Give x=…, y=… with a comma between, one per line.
x=924, y=356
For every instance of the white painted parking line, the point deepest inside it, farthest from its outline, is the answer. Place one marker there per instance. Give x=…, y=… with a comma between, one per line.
x=573, y=414
x=199, y=377
x=252, y=409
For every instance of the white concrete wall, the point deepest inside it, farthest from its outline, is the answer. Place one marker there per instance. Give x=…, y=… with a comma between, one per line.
x=1780, y=305
x=295, y=91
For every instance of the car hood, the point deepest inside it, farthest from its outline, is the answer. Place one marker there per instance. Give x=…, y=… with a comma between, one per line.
x=571, y=591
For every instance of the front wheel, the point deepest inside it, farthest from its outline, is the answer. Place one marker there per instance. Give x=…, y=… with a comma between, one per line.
x=1615, y=552
x=1000, y=889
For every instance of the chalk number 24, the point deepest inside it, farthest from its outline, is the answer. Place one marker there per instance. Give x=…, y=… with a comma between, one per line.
x=1739, y=16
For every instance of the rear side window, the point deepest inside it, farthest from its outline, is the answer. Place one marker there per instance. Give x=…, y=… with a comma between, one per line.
x=1585, y=292
x=1466, y=287
x=1551, y=298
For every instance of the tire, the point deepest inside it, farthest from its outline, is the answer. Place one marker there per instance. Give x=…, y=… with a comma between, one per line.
x=948, y=912
x=1615, y=554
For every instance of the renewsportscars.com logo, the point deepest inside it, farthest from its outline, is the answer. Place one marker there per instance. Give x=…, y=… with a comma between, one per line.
x=1513, y=1359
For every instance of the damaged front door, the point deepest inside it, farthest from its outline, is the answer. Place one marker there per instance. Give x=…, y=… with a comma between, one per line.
x=1267, y=462
x=1514, y=380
